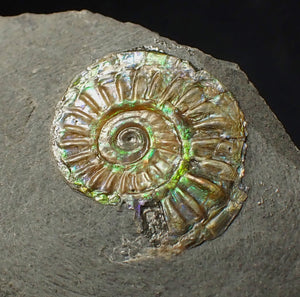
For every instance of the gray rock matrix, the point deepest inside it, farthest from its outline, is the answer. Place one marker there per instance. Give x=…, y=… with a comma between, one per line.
x=55, y=242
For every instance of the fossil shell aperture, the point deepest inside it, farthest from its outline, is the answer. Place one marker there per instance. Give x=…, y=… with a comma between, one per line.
x=146, y=128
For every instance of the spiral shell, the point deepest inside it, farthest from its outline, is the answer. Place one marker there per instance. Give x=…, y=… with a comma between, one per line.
x=146, y=128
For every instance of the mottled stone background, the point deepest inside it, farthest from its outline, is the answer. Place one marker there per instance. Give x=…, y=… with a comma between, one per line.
x=54, y=241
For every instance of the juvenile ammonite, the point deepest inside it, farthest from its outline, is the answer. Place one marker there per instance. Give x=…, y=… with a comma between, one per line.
x=146, y=128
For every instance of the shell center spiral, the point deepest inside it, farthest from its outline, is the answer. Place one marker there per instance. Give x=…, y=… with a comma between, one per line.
x=123, y=139
x=130, y=139
x=141, y=143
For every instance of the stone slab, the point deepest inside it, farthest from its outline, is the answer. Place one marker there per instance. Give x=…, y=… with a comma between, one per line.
x=54, y=242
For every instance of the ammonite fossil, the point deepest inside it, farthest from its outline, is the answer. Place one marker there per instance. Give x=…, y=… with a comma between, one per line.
x=146, y=128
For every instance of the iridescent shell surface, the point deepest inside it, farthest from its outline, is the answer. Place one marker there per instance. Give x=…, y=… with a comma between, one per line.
x=146, y=128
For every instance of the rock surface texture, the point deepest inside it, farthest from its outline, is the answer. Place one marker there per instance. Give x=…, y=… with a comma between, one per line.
x=55, y=242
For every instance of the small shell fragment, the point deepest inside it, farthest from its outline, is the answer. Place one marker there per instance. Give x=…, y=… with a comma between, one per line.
x=146, y=128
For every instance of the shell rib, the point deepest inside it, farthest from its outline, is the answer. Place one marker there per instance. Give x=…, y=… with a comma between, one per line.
x=146, y=127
